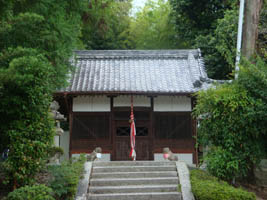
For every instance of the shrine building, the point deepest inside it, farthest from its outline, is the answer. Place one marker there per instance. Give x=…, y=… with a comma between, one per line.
x=162, y=83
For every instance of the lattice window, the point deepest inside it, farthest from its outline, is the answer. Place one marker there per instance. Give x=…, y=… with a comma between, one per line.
x=141, y=131
x=125, y=131
x=91, y=126
x=173, y=126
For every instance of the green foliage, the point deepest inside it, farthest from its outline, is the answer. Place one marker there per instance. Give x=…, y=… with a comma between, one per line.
x=37, y=40
x=234, y=121
x=106, y=24
x=219, y=47
x=35, y=192
x=197, y=17
x=201, y=180
x=55, y=150
x=224, y=164
x=262, y=39
x=27, y=124
x=152, y=28
x=66, y=178
x=212, y=27
x=35, y=24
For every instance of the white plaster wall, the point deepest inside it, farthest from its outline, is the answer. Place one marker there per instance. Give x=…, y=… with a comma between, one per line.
x=91, y=104
x=172, y=103
x=125, y=101
x=64, y=144
x=105, y=157
x=186, y=157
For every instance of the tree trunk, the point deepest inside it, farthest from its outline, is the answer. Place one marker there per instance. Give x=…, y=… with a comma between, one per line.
x=250, y=30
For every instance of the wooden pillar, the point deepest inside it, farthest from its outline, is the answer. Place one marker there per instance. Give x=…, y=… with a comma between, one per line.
x=111, y=130
x=70, y=103
x=151, y=127
x=194, y=131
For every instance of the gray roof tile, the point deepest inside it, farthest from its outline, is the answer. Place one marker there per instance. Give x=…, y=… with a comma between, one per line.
x=134, y=71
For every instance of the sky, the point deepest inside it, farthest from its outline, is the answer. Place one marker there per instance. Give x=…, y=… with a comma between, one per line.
x=136, y=4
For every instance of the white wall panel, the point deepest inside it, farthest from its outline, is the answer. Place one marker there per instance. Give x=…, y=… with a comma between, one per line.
x=91, y=104
x=125, y=101
x=172, y=103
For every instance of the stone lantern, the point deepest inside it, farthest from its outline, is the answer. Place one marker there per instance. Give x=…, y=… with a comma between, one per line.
x=59, y=131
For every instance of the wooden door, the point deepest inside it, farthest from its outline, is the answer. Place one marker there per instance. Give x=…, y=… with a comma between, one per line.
x=143, y=145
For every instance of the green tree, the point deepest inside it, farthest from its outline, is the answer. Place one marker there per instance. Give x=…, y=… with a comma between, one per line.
x=197, y=17
x=36, y=41
x=219, y=46
x=51, y=26
x=152, y=27
x=26, y=124
x=210, y=26
x=262, y=40
x=234, y=122
x=106, y=24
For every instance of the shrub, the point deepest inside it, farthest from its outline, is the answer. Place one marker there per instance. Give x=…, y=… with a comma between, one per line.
x=66, y=178
x=224, y=164
x=28, y=127
x=207, y=187
x=35, y=192
x=234, y=121
x=52, y=151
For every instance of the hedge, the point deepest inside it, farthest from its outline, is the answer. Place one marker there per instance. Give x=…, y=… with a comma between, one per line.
x=66, y=178
x=35, y=192
x=207, y=187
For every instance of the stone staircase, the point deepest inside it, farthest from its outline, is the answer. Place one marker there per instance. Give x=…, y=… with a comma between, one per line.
x=134, y=180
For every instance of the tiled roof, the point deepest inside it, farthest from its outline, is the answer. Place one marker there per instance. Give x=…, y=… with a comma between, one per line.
x=137, y=71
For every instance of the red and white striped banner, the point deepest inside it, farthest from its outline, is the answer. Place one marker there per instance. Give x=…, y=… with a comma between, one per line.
x=132, y=133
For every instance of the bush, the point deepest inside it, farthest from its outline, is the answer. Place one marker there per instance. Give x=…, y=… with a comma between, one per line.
x=207, y=187
x=52, y=151
x=28, y=128
x=234, y=121
x=224, y=164
x=66, y=178
x=35, y=192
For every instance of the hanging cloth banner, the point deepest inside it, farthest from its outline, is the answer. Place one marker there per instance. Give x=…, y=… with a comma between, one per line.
x=132, y=133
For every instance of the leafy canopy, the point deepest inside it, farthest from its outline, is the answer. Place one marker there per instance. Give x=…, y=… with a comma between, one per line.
x=211, y=26
x=106, y=24
x=51, y=26
x=152, y=27
x=37, y=40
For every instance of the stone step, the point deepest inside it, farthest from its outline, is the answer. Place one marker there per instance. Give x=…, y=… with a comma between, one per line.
x=133, y=163
x=134, y=174
x=133, y=181
x=132, y=168
x=133, y=189
x=137, y=196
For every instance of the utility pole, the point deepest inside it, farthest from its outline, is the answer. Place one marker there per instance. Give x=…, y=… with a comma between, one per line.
x=239, y=37
x=250, y=29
